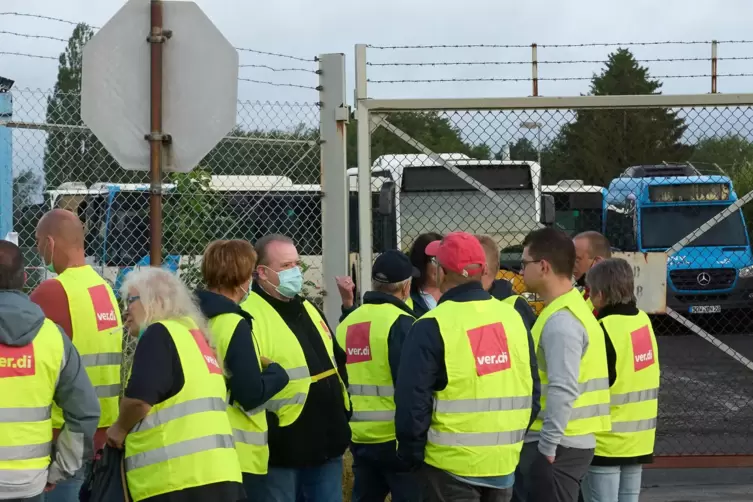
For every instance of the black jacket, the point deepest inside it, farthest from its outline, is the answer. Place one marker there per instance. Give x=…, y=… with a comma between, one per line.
x=249, y=386
x=384, y=453
x=427, y=373
x=502, y=289
x=322, y=431
x=626, y=310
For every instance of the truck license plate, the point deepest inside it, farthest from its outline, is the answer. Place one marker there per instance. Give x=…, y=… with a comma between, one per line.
x=705, y=309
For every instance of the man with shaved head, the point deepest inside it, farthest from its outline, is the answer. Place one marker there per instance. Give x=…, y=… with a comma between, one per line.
x=82, y=303
x=590, y=248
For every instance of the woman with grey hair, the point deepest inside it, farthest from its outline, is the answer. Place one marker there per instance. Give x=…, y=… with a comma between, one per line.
x=173, y=422
x=633, y=360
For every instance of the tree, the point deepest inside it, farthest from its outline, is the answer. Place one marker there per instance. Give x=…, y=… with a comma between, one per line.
x=731, y=153
x=429, y=128
x=523, y=149
x=599, y=144
x=24, y=187
x=76, y=155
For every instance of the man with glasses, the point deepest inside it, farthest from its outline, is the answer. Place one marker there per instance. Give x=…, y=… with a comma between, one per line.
x=82, y=303
x=571, y=353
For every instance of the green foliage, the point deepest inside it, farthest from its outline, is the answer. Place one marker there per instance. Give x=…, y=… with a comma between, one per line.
x=600, y=144
x=732, y=153
x=429, y=128
x=76, y=156
x=523, y=149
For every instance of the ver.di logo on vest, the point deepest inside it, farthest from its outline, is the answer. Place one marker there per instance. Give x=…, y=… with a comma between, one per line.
x=643, y=350
x=489, y=347
x=206, y=352
x=104, y=310
x=358, y=343
x=17, y=361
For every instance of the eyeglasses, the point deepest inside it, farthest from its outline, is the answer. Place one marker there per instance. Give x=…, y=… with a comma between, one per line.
x=131, y=299
x=525, y=263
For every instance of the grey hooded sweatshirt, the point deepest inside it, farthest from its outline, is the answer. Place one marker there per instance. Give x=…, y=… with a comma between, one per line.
x=20, y=321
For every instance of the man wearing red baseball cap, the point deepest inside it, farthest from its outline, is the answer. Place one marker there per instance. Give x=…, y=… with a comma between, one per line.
x=466, y=391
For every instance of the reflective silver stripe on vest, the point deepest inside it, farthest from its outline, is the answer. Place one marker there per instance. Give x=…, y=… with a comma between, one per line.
x=483, y=405
x=635, y=397
x=106, y=359
x=10, y=415
x=298, y=373
x=178, y=450
x=471, y=439
x=25, y=452
x=372, y=390
x=277, y=404
x=373, y=416
x=104, y=391
x=634, y=425
x=591, y=411
x=180, y=410
x=592, y=385
x=248, y=437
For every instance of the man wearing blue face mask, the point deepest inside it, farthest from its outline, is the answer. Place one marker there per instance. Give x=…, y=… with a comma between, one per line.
x=308, y=429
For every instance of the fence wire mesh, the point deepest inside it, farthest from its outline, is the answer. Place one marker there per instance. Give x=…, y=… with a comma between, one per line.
x=262, y=178
x=584, y=159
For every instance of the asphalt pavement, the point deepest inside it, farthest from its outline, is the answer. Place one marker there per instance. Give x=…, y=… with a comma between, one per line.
x=697, y=485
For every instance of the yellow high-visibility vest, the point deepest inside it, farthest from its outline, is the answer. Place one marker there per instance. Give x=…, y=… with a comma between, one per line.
x=97, y=335
x=635, y=393
x=480, y=418
x=249, y=428
x=185, y=441
x=409, y=302
x=591, y=410
x=28, y=377
x=364, y=337
x=278, y=343
x=510, y=300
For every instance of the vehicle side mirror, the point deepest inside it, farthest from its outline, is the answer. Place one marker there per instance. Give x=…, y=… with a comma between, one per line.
x=387, y=198
x=547, y=210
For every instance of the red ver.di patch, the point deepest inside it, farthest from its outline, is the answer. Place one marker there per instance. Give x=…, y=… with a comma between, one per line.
x=643, y=350
x=206, y=352
x=104, y=310
x=358, y=343
x=17, y=361
x=489, y=347
x=325, y=328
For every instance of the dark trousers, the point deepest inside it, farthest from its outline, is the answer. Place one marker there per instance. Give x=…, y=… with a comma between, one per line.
x=536, y=480
x=374, y=481
x=439, y=486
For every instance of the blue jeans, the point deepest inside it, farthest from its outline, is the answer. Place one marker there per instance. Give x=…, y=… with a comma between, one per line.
x=322, y=483
x=67, y=491
x=372, y=483
x=612, y=483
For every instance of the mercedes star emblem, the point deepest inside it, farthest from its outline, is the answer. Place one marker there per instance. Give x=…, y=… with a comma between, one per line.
x=704, y=279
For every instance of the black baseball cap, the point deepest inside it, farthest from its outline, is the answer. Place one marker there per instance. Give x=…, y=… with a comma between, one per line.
x=393, y=266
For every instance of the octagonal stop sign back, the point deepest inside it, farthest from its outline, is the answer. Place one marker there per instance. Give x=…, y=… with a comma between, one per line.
x=199, y=87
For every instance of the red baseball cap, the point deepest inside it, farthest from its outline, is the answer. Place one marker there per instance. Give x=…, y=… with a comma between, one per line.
x=458, y=251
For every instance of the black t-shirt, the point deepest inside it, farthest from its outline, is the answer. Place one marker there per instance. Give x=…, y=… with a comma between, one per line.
x=156, y=376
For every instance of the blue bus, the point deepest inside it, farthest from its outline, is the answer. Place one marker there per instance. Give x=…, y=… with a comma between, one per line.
x=651, y=208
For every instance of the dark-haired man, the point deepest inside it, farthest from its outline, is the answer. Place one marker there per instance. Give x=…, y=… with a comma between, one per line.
x=571, y=352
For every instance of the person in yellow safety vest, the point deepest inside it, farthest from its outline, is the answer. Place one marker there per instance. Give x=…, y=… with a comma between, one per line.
x=39, y=366
x=81, y=302
x=590, y=248
x=308, y=420
x=633, y=356
x=173, y=419
x=574, y=378
x=500, y=288
x=466, y=385
x=424, y=293
x=373, y=337
x=227, y=267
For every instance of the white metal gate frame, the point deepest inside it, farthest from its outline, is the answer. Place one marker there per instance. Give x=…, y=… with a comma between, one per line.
x=370, y=114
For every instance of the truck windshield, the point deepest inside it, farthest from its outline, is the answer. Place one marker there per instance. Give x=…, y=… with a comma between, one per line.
x=663, y=227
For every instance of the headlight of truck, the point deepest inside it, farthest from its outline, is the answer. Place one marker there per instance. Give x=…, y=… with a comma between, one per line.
x=746, y=272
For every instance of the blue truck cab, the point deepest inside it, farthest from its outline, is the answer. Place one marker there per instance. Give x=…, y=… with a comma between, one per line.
x=651, y=208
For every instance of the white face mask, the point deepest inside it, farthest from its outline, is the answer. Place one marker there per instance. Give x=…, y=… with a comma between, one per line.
x=429, y=300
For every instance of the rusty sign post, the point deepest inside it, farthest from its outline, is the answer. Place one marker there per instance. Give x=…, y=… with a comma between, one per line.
x=165, y=115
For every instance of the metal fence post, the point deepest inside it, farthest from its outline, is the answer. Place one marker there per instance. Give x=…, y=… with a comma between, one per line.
x=364, y=172
x=6, y=166
x=333, y=118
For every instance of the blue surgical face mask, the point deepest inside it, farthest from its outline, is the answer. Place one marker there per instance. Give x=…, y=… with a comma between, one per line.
x=141, y=333
x=245, y=296
x=291, y=282
x=429, y=299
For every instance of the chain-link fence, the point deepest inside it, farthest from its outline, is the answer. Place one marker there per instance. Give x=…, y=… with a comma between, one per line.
x=262, y=178
x=646, y=178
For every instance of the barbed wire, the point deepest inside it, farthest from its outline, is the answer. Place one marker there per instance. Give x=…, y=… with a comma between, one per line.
x=267, y=67
x=553, y=46
x=277, y=54
x=28, y=35
x=23, y=54
x=572, y=61
x=528, y=79
x=279, y=84
x=48, y=18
